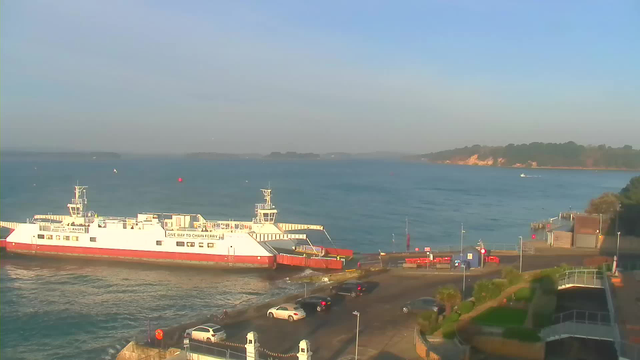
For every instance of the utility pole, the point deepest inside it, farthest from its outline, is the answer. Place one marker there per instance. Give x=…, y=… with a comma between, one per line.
x=520, y=254
x=464, y=280
x=393, y=242
x=618, y=248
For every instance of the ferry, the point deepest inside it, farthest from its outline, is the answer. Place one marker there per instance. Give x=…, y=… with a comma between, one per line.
x=173, y=238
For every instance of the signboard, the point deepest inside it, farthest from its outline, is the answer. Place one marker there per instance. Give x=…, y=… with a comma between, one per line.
x=470, y=256
x=427, y=249
x=193, y=235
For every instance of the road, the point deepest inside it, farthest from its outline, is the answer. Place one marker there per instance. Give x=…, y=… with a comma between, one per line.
x=332, y=333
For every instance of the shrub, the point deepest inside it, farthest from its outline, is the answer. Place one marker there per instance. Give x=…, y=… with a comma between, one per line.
x=524, y=294
x=449, y=296
x=511, y=275
x=521, y=333
x=453, y=317
x=502, y=317
x=466, y=307
x=546, y=283
x=449, y=330
x=428, y=322
x=482, y=291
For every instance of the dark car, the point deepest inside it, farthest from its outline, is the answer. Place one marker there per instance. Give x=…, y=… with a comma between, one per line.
x=423, y=304
x=320, y=303
x=350, y=288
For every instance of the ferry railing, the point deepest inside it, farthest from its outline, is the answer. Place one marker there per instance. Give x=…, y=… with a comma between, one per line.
x=581, y=277
x=583, y=317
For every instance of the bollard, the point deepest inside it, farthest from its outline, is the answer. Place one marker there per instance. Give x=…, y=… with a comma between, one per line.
x=252, y=346
x=304, y=350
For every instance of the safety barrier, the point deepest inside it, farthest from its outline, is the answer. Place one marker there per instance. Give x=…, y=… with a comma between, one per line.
x=583, y=277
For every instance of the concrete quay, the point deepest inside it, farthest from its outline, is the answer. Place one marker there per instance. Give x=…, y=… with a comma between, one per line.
x=385, y=332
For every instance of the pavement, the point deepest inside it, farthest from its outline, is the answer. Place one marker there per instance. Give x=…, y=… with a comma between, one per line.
x=385, y=332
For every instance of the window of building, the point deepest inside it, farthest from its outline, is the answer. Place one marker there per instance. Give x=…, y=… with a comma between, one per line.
x=57, y=237
x=210, y=245
x=66, y=237
x=92, y=239
x=40, y=236
x=179, y=243
x=200, y=244
x=191, y=244
x=159, y=242
x=74, y=238
x=49, y=237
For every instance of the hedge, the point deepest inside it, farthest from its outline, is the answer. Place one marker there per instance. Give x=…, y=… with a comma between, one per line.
x=466, y=307
x=522, y=334
x=524, y=294
x=453, y=317
x=449, y=330
x=428, y=322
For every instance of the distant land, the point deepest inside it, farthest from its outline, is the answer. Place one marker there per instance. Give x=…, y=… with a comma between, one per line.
x=292, y=155
x=59, y=155
x=539, y=155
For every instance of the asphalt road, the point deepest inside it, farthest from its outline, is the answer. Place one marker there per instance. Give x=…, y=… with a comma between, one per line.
x=332, y=332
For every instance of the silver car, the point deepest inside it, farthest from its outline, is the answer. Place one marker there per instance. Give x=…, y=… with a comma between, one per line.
x=207, y=333
x=423, y=304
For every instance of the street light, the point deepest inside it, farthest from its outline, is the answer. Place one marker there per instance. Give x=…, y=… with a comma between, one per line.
x=357, y=314
x=461, y=238
x=618, y=248
x=520, y=254
x=464, y=279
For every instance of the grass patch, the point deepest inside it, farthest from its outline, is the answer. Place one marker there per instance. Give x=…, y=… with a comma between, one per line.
x=521, y=334
x=501, y=317
x=524, y=294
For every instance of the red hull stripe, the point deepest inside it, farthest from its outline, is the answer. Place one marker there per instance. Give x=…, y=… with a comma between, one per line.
x=267, y=261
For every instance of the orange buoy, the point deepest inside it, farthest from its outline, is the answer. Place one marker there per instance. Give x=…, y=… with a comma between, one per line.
x=159, y=334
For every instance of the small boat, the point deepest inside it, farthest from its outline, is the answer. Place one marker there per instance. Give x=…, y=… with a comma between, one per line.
x=523, y=175
x=115, y=171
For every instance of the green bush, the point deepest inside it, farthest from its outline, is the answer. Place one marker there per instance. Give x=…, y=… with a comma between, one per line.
x=546, y=283
x=428, y=322
x=449, y=330
x=524, y=294
x=502, y=317
x=483, y=291
x=453, y=317
x=522, y=334
x=512, y=276
x=466, y=307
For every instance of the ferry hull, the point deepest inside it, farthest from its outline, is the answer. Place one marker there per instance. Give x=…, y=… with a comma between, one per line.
x=141, y=256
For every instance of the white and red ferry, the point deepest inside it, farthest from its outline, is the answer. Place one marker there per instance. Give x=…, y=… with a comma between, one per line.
x=187, y=239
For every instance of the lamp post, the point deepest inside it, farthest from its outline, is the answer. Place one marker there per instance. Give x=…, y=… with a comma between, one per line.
x=520, y=254
x=357, y=314
x=461, y=238
x=464, y=279
x=618, y=248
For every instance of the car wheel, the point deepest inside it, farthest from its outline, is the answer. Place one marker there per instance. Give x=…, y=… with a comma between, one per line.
x=209, y=340
x=270, y=315
x=354, y=294
x=319, y=308
x=405, y=310
x=290, y=318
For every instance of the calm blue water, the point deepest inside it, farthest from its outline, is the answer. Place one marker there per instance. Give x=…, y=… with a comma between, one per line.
x=60, y=309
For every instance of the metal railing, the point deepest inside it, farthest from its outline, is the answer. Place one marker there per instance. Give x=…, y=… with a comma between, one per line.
x=584, y=277
x=577, y=329
x=583, y=317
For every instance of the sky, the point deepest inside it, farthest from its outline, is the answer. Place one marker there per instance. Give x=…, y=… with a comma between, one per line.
x=316, y=76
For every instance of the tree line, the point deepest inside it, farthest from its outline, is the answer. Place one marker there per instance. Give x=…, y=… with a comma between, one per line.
x=623, y=208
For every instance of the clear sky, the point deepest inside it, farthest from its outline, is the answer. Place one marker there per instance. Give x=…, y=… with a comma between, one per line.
x=356, y=76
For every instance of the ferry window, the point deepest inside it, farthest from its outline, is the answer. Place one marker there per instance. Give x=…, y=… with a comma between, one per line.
x=159, y=242
x=40, y=236
x=200, y=244
x=49, y=237
x=92, y=239
x=210, y=245
x=179, y=243
x=74, y=238
x=191, y=244
x=66, y=237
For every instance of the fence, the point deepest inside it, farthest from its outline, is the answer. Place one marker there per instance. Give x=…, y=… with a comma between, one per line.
x=581, y=277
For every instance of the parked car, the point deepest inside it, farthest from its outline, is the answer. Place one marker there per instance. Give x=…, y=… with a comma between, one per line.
x=423, y=304
x=350, y=288
x=320, y=303
x=290, y=312
x=207, y=333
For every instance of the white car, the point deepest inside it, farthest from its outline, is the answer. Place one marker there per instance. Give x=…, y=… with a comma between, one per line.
x=207, y=333
x=290, y=312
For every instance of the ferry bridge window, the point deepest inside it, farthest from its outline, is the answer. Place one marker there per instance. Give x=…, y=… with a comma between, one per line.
x=200, y=244
x=210, y=245
x=40, y=236
x=179, y=243
x=92, y=239
x=49, y=237
x=191, y=244
x=66, y=237
x=159, y=242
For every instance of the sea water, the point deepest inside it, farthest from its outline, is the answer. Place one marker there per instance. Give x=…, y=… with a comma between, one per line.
x=90, y=309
